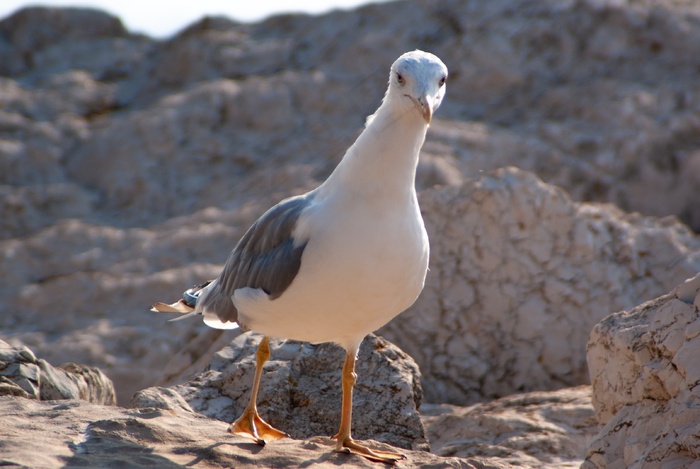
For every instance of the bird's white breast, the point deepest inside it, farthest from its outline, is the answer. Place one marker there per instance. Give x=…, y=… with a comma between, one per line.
x=356, y=274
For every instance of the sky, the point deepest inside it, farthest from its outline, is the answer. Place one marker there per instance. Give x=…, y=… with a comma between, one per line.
x=158, y=18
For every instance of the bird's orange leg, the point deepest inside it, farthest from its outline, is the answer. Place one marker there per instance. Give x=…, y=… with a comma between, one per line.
x=345, y=443
x=249, y=424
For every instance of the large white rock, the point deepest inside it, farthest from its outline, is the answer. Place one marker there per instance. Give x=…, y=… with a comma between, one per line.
x=645, y=372
x=519, y=274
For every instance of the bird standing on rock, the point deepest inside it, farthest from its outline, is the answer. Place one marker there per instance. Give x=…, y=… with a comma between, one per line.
x=339, y=262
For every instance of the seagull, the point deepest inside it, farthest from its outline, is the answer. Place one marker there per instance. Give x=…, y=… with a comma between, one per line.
x=340, y=261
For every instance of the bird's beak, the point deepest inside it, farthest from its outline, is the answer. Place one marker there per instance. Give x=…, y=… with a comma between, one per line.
x=425, y=106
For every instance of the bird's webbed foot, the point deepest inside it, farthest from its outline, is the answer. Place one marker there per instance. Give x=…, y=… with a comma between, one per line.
x=251, y=425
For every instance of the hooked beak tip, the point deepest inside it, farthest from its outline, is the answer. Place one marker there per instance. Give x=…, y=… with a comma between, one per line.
x=427, y=113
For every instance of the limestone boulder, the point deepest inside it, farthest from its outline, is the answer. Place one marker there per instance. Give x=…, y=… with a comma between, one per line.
x=645, y=376
x=301, y=393
x=24, y=375
x=519, y=274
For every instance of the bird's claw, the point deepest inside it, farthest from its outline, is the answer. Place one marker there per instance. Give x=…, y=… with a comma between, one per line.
x=350, y=446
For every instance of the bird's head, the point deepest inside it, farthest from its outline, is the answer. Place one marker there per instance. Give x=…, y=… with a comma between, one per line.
x=418, y=80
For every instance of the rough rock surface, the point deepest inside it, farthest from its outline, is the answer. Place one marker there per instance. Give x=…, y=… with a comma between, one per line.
x=300, y=390
x=496, y=242
x=597, y=96
x=519, y=274
x=645, y=373
x=80, y=434
x=539, y=429
x=23, y=375
x=130, y=166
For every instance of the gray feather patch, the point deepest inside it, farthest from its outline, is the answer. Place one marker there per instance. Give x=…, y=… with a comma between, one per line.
x=266, y=257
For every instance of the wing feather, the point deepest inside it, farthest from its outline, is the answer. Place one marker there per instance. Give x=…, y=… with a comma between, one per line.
x=267, y=257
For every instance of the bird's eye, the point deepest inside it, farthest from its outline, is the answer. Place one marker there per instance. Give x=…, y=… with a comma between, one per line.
x=443, y=80
x=400, y=79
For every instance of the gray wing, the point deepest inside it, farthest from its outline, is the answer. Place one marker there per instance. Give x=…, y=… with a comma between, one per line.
x=266, y=257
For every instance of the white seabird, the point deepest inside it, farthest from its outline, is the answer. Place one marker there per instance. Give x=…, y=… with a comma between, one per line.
x=342, y=260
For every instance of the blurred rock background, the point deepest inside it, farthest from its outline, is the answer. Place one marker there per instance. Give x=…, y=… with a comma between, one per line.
x=558, y=180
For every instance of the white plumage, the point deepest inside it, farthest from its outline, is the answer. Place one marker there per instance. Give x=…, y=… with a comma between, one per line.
x=341, y=261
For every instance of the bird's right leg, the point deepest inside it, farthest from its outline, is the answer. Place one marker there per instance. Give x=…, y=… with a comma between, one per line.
x=250, y=424
x=345, y=442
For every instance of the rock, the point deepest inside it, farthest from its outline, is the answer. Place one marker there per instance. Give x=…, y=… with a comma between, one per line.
x=30, y=30
x=95, y=275
x=37, y=127
x=148, y=157
x=539, y=429
x=130, y=166
x=80, y=434
x=31, y=208
x=519, y=274
x=547, y=98
x=188, y=361
x=38, y=27
x=23, y=375
x=195, y=136
x=160, y=398
x=645, y=375
x=577, y=68
x=534, y=242
x=300, y=390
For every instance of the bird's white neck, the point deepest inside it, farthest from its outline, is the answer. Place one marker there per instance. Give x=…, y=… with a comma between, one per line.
x=383, y=159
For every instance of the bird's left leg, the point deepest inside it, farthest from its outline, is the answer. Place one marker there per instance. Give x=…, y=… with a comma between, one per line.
x=250, y=424
x=345, y=443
